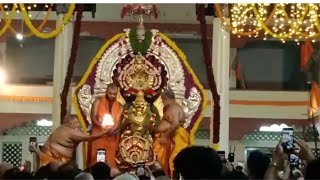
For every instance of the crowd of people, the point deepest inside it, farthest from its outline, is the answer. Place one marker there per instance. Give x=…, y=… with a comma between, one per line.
x=194, y=162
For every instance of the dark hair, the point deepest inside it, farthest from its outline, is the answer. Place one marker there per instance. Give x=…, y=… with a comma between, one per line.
x=158, y=172
x=235, y=174
x=15, y=173
x=100, y=171
x=68, y=170
x=257, y=164
x=112, y=86
x=313, y=169
x=208, y=163
x=168, y=93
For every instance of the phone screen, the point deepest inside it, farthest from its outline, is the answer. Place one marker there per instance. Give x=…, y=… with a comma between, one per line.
x=101, y=155
x=141, y=169
x=32, y=142
x=287, y=139
x=294, y=161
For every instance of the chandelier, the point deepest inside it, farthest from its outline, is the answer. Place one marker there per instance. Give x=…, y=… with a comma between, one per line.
x=282, y=21
x=138, y=11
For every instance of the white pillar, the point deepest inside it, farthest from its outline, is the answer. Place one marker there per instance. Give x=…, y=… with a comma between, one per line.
x=62, y=52
x=79, y=156
x=220, y=61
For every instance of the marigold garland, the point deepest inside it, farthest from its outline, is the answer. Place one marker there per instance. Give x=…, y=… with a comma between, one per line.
x=7, y=23
x=42, y=24
x=52, y=34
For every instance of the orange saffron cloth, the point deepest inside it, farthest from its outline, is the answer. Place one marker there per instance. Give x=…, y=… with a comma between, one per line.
x=108, y=142
x=166, y=153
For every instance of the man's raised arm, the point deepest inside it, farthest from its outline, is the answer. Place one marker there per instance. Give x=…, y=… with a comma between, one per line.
x=79, y=136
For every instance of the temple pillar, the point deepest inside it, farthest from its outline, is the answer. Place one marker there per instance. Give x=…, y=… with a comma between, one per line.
x=220, y=62
x=62, y=51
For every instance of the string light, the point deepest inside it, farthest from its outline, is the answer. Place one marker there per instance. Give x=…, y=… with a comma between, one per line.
x=284, y=21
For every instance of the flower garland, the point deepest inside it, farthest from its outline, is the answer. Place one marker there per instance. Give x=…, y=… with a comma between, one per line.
x=209, y=69
x=52, y=34
x=8, y=22
x=137, y=46
x=72, y=61
x=42, y=24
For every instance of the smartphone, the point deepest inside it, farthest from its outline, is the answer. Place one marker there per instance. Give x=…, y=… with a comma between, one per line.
x=231, y=157
x=222, y=155
x=287, y=140
x=32, y=142
x=294, y=161
x=101, y=155
x=141, y=169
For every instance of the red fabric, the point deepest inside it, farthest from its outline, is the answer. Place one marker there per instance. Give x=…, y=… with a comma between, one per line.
x=306, y=51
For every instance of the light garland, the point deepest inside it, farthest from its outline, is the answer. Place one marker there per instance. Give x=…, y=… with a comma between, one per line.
x=33, y=30
x=251, y=19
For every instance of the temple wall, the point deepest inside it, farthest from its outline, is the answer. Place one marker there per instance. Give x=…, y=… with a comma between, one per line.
x=243, y=104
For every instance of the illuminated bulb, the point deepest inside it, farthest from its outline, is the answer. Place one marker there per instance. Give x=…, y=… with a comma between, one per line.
x=107, y=120
x=30, y=15
x=46, y=6
x=34, y=5
x=264, y=38
x=313, y=40
x=19, y=36
x=5, y=6
x=7, y=13
x=29, y=7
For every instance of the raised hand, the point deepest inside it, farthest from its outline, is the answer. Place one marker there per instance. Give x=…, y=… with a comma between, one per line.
x=304, y=151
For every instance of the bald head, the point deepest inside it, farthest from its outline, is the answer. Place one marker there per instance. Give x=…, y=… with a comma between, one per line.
x=84, y=175
x=168, y=94
x=112, y=91
x=112, y=86
x=71, y=121
x=167, y=97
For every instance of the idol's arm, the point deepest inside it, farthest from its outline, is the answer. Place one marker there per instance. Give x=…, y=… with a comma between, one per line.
x=94, y=112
